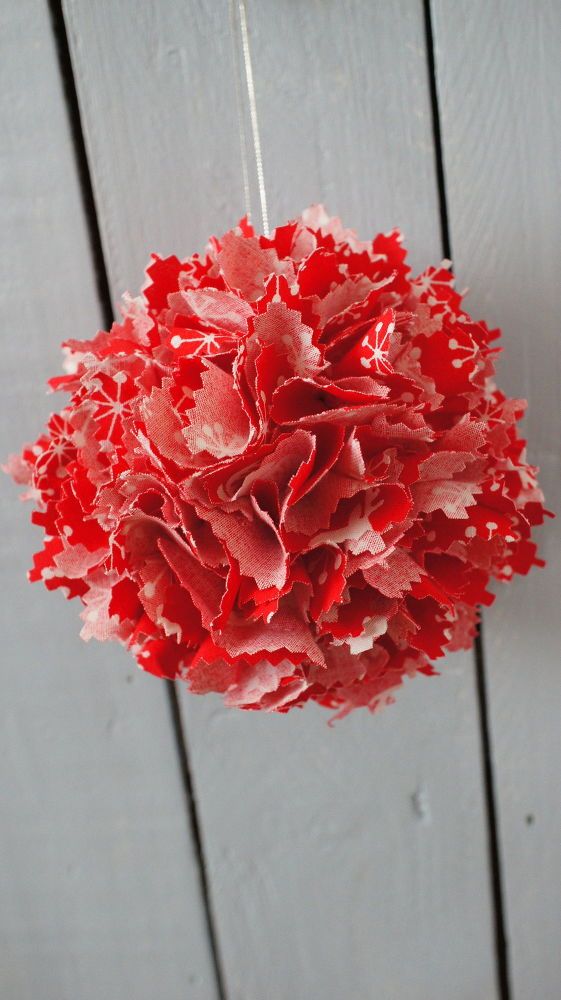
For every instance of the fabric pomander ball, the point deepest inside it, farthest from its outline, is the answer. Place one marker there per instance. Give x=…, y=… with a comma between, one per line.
x=287, y=473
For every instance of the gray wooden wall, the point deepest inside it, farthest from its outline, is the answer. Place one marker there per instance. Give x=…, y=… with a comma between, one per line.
x=160, y=847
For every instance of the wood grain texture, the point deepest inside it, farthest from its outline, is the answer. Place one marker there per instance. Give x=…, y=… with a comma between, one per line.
x=99, y=893
x=344, y=115
x=158, y=105
x=349, y=861
x=499, y=77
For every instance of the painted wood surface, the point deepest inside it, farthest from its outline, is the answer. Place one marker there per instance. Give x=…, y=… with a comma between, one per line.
x=99, y=891
x=348, y=861
x=499, y=77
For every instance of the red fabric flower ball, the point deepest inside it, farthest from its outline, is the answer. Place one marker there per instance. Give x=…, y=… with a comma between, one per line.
x=287, y=474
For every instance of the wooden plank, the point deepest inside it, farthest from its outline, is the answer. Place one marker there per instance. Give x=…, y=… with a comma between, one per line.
x=99, y=893
x=349, y=861
x=346, y=850
x=499, y=79
x=158, y=125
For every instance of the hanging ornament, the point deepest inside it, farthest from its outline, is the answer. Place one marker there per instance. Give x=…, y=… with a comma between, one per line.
x=287, y=473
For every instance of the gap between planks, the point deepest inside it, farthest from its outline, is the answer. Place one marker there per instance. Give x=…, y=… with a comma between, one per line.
x=495, y=867
x=104, y=294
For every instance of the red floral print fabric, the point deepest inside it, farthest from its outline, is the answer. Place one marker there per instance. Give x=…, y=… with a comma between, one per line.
x=287, y=473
